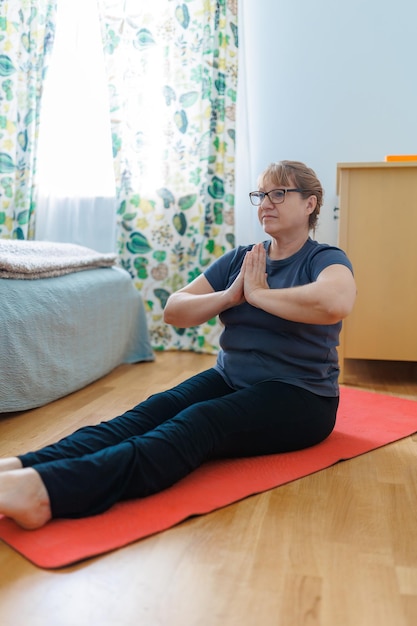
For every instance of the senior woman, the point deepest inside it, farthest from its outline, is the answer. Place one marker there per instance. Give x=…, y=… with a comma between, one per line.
x=273, y=389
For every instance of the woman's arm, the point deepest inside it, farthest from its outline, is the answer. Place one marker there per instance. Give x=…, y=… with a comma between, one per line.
x=197, y=302
x=326, y=301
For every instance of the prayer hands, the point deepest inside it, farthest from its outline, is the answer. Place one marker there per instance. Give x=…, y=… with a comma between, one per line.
x=254, y=274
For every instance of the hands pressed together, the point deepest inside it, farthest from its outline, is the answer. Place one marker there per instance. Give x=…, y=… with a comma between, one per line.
x=252, y=275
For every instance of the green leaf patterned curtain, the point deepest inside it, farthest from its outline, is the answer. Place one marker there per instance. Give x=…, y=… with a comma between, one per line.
x=26, y=36
x=172, y=70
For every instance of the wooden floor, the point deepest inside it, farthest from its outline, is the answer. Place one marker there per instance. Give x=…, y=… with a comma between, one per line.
x=338, y=548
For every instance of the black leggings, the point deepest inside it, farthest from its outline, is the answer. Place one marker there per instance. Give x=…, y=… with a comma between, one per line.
x=167, y=436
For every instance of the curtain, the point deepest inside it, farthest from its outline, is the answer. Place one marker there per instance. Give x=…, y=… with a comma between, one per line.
x=76, y=199
x=251, y=152
x=172, y=75
x=26, y=34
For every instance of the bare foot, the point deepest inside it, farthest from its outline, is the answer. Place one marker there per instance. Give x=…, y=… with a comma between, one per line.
x=10, y=463
x=24, y=498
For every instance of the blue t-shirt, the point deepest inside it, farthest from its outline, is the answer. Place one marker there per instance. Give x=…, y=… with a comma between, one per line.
x=258, y=346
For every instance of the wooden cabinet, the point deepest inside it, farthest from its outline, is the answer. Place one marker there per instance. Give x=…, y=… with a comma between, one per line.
x=378, y=231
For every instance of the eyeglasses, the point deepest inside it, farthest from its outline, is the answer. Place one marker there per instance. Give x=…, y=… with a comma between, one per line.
x=276, y=196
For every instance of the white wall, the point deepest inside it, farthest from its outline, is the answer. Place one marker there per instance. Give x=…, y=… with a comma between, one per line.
x=323, y=81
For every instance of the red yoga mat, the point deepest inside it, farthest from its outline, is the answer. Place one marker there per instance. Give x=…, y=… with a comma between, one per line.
x=366, y=421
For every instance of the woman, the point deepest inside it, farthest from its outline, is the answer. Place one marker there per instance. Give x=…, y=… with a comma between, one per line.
x=274, y=387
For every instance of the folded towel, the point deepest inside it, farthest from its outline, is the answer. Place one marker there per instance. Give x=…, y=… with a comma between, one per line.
x=44, y=259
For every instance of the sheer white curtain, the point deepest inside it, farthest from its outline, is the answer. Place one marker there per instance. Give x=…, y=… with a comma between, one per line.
x=248, y=164
x=76, y=198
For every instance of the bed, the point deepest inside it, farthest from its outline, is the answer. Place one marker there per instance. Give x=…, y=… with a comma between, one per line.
x=65, y=326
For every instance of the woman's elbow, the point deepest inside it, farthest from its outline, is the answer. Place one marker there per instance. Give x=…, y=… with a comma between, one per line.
x=167, y=317
x=340, y=309
x=175, y=314
x=169, y=314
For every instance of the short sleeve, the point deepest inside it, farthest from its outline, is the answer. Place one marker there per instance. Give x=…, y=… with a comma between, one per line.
x=325, y=256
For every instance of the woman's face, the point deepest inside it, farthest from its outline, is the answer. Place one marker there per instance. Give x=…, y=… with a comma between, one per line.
x=289, y=217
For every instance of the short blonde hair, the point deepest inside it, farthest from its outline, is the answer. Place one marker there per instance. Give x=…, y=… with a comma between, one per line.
x=297, y=174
